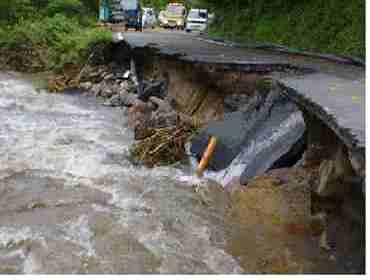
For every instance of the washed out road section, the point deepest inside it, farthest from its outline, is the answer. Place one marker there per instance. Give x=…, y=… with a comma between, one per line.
x=337, y=90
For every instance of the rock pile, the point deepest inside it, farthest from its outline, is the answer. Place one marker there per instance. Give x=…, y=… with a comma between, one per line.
x=110, y=82
x=160, y=131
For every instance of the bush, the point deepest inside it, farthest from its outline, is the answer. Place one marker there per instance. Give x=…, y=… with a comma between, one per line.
x=54, y=41
x=11, y=11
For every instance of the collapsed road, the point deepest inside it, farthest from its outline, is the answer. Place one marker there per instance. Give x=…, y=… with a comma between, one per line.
x=332, y=92
x=338, y=89
x=73, y=202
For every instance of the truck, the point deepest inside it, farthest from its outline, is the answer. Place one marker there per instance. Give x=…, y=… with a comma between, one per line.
x=173, y=16
x=104, y=11
x=132, y=14
x=126, y=12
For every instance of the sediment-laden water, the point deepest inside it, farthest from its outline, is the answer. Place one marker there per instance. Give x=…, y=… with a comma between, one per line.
x=71, y=201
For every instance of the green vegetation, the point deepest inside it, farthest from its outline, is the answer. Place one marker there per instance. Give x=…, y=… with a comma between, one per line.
x=47, y=35
x=333, y=26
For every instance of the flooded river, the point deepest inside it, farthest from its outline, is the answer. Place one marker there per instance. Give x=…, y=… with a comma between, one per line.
x=71, y=201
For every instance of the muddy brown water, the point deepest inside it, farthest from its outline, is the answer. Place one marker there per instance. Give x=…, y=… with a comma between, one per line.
x=71, y=201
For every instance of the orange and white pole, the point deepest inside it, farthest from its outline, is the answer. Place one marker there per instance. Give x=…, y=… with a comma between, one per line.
x=206, y=156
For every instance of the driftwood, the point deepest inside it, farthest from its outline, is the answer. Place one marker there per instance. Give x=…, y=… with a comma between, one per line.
x=165, y=146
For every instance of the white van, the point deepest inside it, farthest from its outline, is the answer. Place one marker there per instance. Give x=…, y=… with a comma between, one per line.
x=197, y=20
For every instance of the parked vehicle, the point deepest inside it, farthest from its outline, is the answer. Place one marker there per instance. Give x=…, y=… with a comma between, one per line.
x=173, y=16
x=132, y=14
x=197, y=20
x=149, y=18
x=127, y=12
x=116, y=11
x=104, y=11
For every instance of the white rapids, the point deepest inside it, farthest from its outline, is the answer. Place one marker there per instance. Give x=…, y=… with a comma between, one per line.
x=72, y=202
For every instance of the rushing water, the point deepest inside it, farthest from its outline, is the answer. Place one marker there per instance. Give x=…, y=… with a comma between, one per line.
x=71, y=201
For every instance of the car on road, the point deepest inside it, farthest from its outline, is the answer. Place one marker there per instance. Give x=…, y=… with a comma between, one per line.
x=197, y=20
x=174, y=16
x=149, y=18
